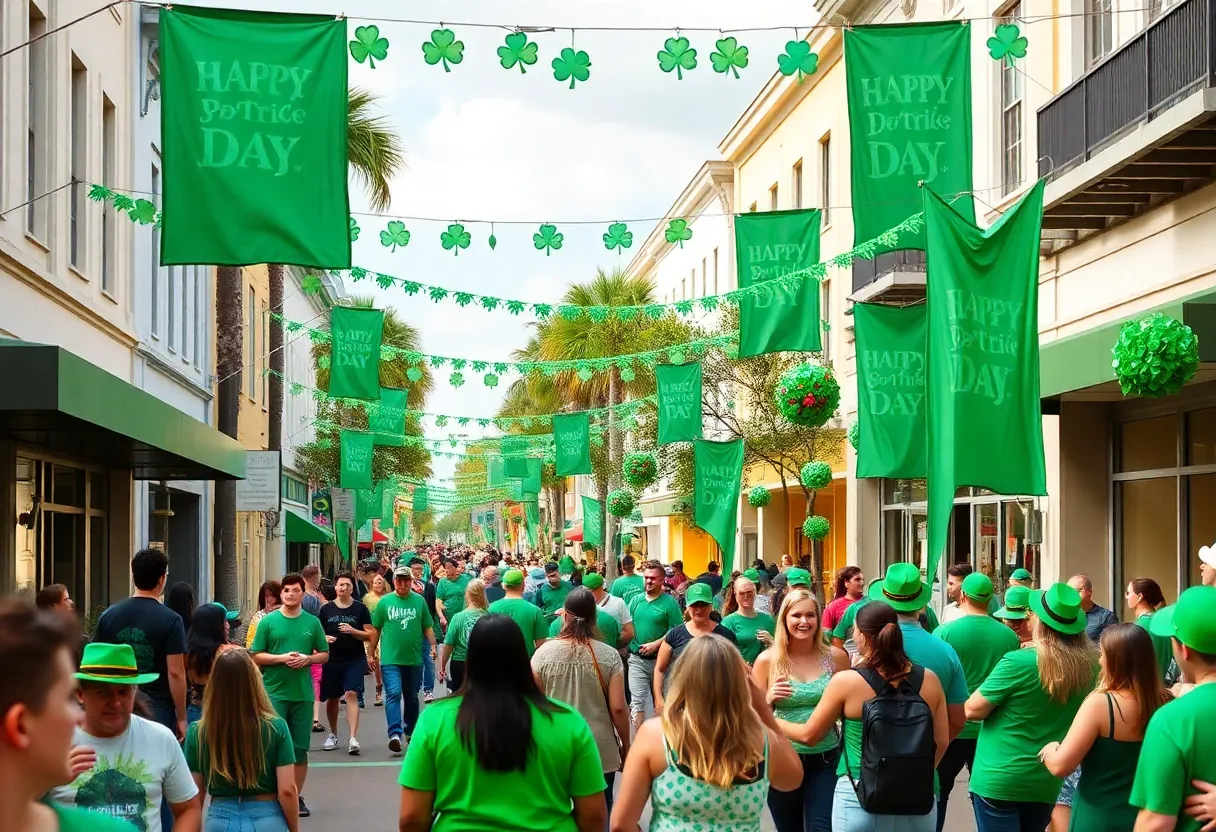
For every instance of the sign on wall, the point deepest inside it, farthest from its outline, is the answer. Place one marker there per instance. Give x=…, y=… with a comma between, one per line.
x=259, y=491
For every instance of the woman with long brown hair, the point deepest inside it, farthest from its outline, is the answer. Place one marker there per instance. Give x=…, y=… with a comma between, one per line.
x=240, y=752
x=753, y=629
x=269, y=600
x=1144, y=597
x=850, y=588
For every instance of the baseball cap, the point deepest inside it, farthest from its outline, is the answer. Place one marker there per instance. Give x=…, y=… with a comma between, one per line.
x=593, y=581
x=1022, y=575
x=1190, y=620
x=231, y=615
x=402, y=571
x=551, y=567
x=537, y=574
x=698, y=594
x=513, y=578
x=1207, y=554
x=978, y=586
x=796, y=576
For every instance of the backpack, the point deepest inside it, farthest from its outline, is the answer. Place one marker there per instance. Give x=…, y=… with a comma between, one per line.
x=897, y=747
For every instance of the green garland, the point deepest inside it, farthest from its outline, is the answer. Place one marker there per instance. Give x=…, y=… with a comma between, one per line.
x=1155, y=356
x=621, y=502
x=807, y=395
x=640, y=470
x=855, y=434
x=816, y=475
x=815, y=527
x=759, y=497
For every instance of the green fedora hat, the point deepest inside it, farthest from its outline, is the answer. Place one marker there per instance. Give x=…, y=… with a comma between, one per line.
x=1059, y=607
x=1021, y=575
x=977, y=586
x=1017, y=604
x=112, y=663
x=901, y=588
x=1191, y=620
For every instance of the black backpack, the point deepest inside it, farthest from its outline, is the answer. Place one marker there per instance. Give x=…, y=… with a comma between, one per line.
x=898, y=748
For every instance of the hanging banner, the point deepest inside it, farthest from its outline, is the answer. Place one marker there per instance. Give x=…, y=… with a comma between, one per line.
x=321, y=508
x=387, y=419
x=420, y=498
x=593, y=522
x=769, y=246
x=342, y=538
x=572, y=438
x=985, y=424
x=356, y=459
x=530, y=484
x=531, y=521
x=679, y=387
x=253, y=138
x=495, y=477
x=515, y=490
x=388, y=500
x=354, y=353
x=514, y=452
x=909, y=90
x=718, y=468
x=369, y=503
x=891, y=390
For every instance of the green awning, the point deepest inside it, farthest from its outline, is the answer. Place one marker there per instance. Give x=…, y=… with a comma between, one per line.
x=299, y=529
x=53, y=398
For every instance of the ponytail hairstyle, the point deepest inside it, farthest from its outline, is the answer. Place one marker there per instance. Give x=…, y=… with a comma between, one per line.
x=884, y=640
x=843, y=577
x=1149, y=591
x=579, y=623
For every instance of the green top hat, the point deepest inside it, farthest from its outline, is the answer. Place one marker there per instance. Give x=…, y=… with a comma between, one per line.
x=231, y=615
x=1059, y=607
x=1190, y=620
x=901, y=588
x=795, y=576
x=977, y=586
x=1021, y=575
x=513, y=578
x=1017, y=604
x=698, y=594
x=112, y=663
x=593, y=581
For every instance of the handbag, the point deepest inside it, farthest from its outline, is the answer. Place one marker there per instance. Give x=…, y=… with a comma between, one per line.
x=620, y=748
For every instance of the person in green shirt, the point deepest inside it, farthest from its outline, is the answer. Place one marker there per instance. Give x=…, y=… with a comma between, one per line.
x=551, y=595
x=753, y=630
x=842, y=635
x=287, y=644
x=1015, y=613
x=449, y=592
x=456, y=642
x=399, y=625
x=606, y=628
x=630, y=583
x=1144, y=597
x=527, y=615
x=654, y=614
x=1174, y=780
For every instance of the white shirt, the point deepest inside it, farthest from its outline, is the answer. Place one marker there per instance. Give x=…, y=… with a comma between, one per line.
x=617, y=609
x=134, y=771
x=950, y=612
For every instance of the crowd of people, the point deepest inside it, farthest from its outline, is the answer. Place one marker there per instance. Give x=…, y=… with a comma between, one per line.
x=708, y=698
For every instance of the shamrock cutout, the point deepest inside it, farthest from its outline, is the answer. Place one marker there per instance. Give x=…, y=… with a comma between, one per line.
x=517, y=52
x=797, y=59
x=100, y=193
x=384, y=281
x=585, y=374
x=395, y=235
x=143, y=212
x=443, y=48
x=677, y=55
x=455, y=238
x=572, y=65
x=1007, y=43
x=619, y=237
x=548, y=239
x=369, y=46
x=310, y=285
x=627, y=375
x=730, y=57
x=354, y=230
x=413, y=374
x=678, y=231
x=123, y=203
x=516, y=306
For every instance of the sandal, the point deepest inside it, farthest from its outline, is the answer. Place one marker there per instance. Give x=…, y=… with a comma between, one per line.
x=317, y=728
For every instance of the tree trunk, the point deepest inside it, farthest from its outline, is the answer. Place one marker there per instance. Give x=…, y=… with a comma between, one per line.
x=229, y=341
x=816, y=549
x=614, y=478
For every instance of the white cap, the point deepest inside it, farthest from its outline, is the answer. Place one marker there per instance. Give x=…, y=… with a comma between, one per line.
x=1207, y=554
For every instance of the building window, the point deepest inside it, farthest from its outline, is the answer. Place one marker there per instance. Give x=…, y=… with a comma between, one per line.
x=37, y=133
x=155, y=271
x=772, y=197
x=79, y=162
x=1011, y=117
x=174, y=275
x=109, y=227
x=250, y=346
x=825, y=178
x=715, y=271
x=797, y=184
x=1099, y=30
x=189, y=278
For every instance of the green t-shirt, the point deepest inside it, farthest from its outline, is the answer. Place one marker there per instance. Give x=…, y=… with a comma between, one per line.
x=460, y=626
x=745, y=629
x=1177, y=749
x=844, y=627
x=551, y=599
x=527, y=615
x=1025, y=719
x=653, y=619
x=468, y=798
x=1162, y=646
x=72, y=819
x=402, y=623
x=608, y=630
x=980, y=642
x=276, y=751
x=278, y=634
x=451, y=593
x=626, y=586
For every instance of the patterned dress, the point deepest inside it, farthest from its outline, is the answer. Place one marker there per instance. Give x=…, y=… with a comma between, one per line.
x=681, y=803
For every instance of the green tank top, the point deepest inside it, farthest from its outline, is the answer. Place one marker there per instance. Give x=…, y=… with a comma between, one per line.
x=850, y=760
x=800, y=706
x=1107, y=772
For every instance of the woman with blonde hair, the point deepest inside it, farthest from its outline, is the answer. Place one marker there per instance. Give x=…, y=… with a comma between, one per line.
x=456, y=642
x=794, y=672
x=710, y=758
x=240, y=752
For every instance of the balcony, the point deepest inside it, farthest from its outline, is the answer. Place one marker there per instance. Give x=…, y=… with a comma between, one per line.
x=1135, y=131
x=894, y=277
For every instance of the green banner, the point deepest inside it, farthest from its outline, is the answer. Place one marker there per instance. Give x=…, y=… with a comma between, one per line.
x=515, y=490
x=253, y=138
x=718, y=468
x=572, y=437
x=768, y=247
x=387, y=419
x=985, y=424
x=679, y=387
x=369, y=503
x=531, y=521
x=354, y=353
x=388, y=500
x=593, y=522
x=355, y=449
x=530, y=484
x=420, y=498
x=495, y=477
x=891, y=390
x=909, y=90
x=514, y=450
x=342, y=538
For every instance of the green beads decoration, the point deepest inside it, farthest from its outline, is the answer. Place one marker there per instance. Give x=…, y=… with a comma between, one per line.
x=815, y=527
x=759, y=497
x=807, y=395
x=640, y=469
x=816, y=475
x=621, y=502
x=1155, y=356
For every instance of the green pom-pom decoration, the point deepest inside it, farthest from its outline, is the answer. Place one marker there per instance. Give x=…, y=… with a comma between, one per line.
x=621, y=503
x=759, y=497
x=815, y=527
x=855, y=434
x=640, y=470
x=816, y=475
x=807, y=395
x=1155, y=356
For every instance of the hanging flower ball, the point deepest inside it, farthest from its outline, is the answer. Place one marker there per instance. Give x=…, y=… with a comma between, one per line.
x=816, y=475
x=855, y=434
x=759, y=497
x=807, y=395
x=1155, y=356
x=815, y=527
x=621, y=502
x=640, y=470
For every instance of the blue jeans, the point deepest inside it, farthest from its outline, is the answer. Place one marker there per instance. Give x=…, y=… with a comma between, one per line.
x=233, y=814
x=808, y=807
x=428, y=669
x=399, y=678
x=848, y=816
x=1010, y=816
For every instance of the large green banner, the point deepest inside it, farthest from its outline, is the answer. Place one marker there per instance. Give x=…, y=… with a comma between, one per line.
x=679, y=387
x=354, y=353
x=718, y=468
x=593, y=522
x=529, y=484
x=253, y=138
x=572, y=437
x=985, y=424
x=514, y=450
x=420, y=498
x=531, y=521
x=495, y=478
x=769, y=247
x=891, y=389
x=369, y=503
x=355, y=459
x=909, y=90
x=386, y=420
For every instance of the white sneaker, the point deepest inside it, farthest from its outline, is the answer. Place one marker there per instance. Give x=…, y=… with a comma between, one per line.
x=394, y=744
x=353, y=747
x=331, y=742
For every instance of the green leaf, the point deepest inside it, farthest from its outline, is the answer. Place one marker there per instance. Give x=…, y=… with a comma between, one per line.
x=437, y=293
x=384, y=281
x=655, y=311
x=1007, y=43
x=542, y=310
x=518, y=51
x=626, y=313
x=100, y=193
x=798, y=59
x=479, y=366
x=684, y=307
x=462, y=298
x=729, y=57
x=490, y=380
x=455, y=238
x=443, y=48
x=516, y=306
x=369, y=46
x=678, y=56
x=500, y=367
x=358, y=273
x=143, y=212
x=395, y=235
x=493, y=242
x=619, y=237
x=354, y=229
x=123, y=203
x=489, y=303
x=678, y=231
x=547, y=239
x=410, y=287
x=572, y=65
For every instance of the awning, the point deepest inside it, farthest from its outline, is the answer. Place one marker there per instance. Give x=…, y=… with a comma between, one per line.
x=56, y=399
x=299, y=529
x=575, y=532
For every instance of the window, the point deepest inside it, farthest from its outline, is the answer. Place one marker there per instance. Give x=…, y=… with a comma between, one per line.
x=825, y=179
x=772, y=197
x=825, y=314
x=715, y=271
x=250, y=346
x=797, y=184
x=109, y=159
x=154, y=295
x=174, y=275
x=1011, y=117
x=1099, y=30
x=37, y=134
x=79, y=161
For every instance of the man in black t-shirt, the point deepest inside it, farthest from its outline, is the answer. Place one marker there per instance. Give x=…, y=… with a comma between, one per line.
x=347, y=624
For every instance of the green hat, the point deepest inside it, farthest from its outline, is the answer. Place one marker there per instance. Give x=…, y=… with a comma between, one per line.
x=698, y=594
x=112, y=663
x=901, y=588
x=513, y=578
x=1021, y=575
x=795, y=576
x=977, y=586
x=593, y=581
x=1059, y=607
x=752, y=575
x=1017, y=604
x=1190, y=620
x=231, y=615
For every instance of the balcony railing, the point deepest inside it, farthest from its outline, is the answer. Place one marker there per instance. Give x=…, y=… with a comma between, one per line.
x=866, y=272
x=1136, y=83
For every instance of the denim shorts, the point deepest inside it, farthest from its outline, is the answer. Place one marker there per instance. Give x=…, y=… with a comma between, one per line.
x=235, y=814
x=339, y=677
x=848, y=816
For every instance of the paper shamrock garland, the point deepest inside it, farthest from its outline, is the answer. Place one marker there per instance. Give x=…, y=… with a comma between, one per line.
x=443, y=48
x=369, y=46
x=677, y=55
x=572, y=65
x=678, y=231
x=395, y=235
x=807, y=395
x=1155, y=356
x=729, y=57
x=354, y=229
x=518, y=51
x=619, y=237
x=548, y=239
x=798, y=59
x=759, y=497
x=1007, y=44
x=815, y=527
x=816, y=475
x=455, y=238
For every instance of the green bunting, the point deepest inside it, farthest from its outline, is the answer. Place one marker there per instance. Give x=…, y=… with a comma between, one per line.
x=354, y=356
x=593, y=522
x=679, y=388
x=718, y=468
x=572, y=438
x=769, y=247
x=355, y=459
x=891, y=390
